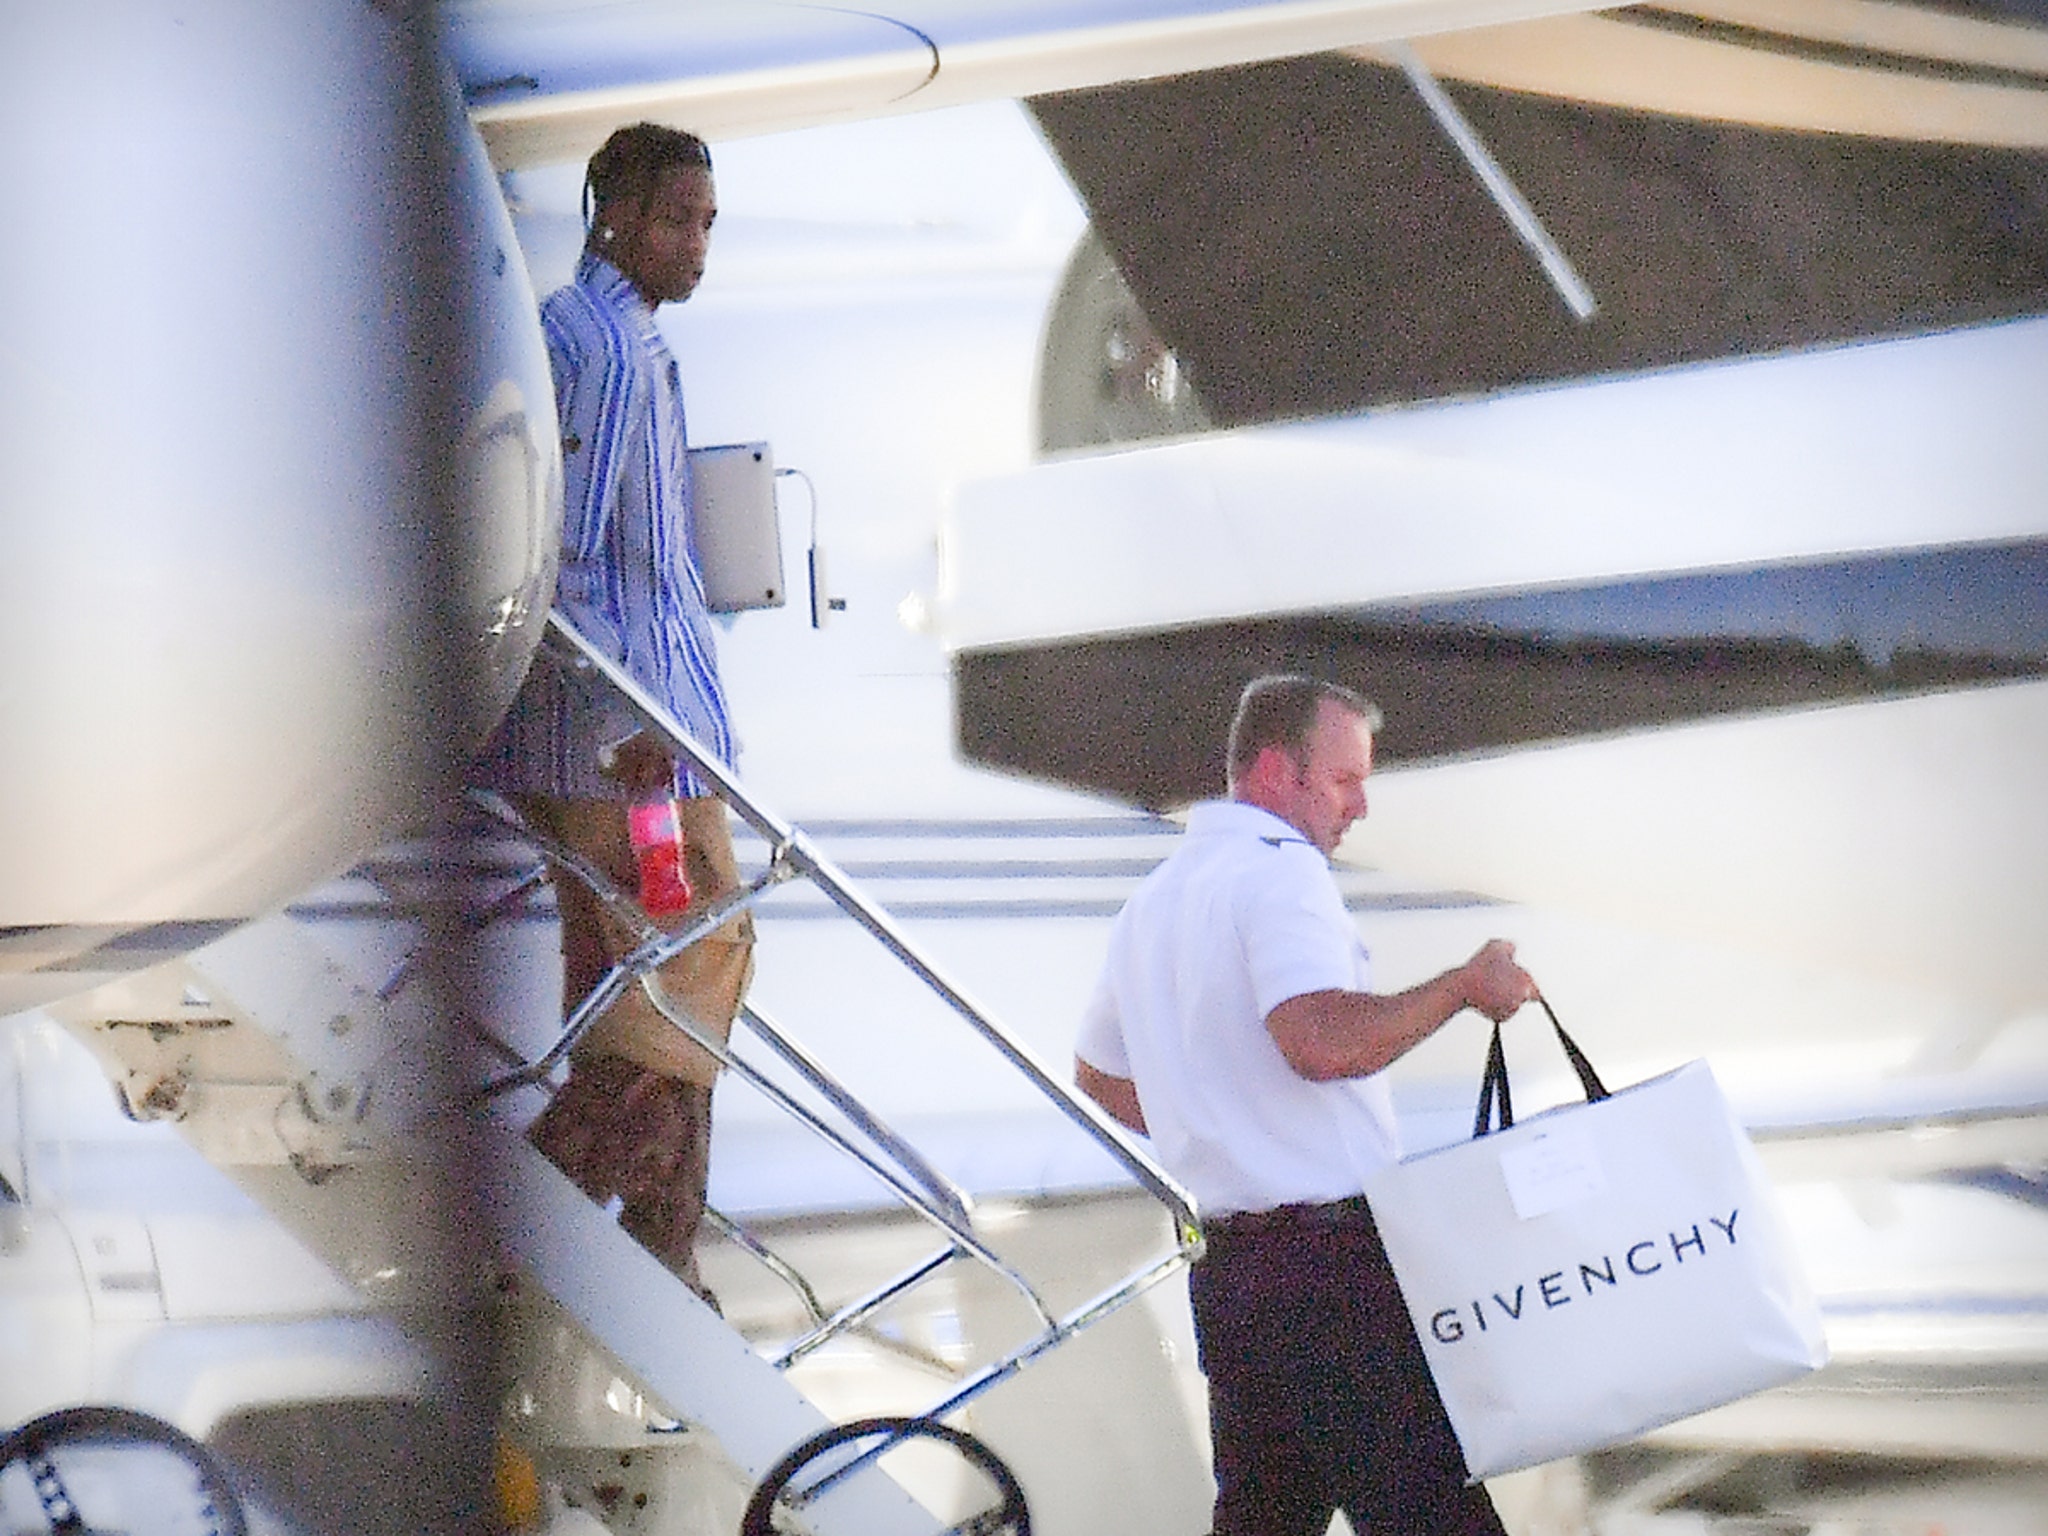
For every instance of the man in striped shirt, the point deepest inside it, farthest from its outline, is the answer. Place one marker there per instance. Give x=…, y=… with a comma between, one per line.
x=634, y=1119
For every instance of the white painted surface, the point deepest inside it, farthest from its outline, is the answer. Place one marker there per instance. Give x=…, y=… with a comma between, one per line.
x=1878, y=445
x=1905, y=840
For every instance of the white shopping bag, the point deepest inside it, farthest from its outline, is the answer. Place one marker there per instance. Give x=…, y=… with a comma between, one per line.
x=1595, y=1271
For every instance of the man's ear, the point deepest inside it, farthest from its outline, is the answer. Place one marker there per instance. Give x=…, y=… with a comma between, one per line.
x=1273, y=768
x=622, y=215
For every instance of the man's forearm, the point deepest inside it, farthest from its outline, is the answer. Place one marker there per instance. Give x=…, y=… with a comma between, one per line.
x=1331, y=1035
x=1118, y=1096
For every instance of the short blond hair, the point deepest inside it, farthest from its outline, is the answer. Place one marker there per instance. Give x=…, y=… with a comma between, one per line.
x=1280, y=711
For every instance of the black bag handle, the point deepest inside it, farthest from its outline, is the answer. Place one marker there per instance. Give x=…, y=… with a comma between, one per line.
x=1493, y=1088
x=1494, y=1085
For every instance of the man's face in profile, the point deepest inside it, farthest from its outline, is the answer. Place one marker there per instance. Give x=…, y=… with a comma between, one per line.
x=660, y=242
x=1326, y=792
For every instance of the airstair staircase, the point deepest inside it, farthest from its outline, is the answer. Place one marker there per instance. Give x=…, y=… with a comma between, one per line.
x=372, y=1109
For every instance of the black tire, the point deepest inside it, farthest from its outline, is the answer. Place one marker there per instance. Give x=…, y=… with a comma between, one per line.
x=1010, y=1517
x=36, y=1445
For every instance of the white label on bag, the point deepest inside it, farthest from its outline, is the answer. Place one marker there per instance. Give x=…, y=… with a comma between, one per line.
x=1553, y=1168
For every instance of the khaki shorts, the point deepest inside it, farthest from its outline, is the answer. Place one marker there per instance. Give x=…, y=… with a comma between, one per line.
x=706, y=981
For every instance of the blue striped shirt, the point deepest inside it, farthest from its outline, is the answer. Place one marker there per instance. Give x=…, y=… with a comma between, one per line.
x=629, y=578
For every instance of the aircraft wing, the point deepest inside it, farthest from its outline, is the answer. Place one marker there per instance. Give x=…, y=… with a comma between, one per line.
x=1431, y=472
x=547, y=81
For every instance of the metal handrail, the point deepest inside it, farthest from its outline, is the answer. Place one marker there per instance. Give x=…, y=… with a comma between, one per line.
x=475, y=921
x=916, y=1184
x=933, y=1207
x=1002, y=1370
x=862, y=1308
x=656, y=948
x=768, y=1259
x=957, y=1203
x=913, y=1180
x=789, y=842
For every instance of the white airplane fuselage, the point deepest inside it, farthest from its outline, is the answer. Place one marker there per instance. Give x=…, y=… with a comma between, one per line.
x=211, y=603
x=227, y=559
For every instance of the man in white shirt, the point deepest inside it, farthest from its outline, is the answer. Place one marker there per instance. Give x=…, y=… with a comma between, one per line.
x=1234, y=1024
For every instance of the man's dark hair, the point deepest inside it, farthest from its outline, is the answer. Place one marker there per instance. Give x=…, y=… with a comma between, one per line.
x=630, y=164
x=1280, y=711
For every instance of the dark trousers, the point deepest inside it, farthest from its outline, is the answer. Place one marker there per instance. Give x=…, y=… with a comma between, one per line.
x=618, y=1128
x=634, y=1119
x=1319, y=1396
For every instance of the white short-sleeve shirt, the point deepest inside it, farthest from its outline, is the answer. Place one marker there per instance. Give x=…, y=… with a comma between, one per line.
x=1243, y=916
